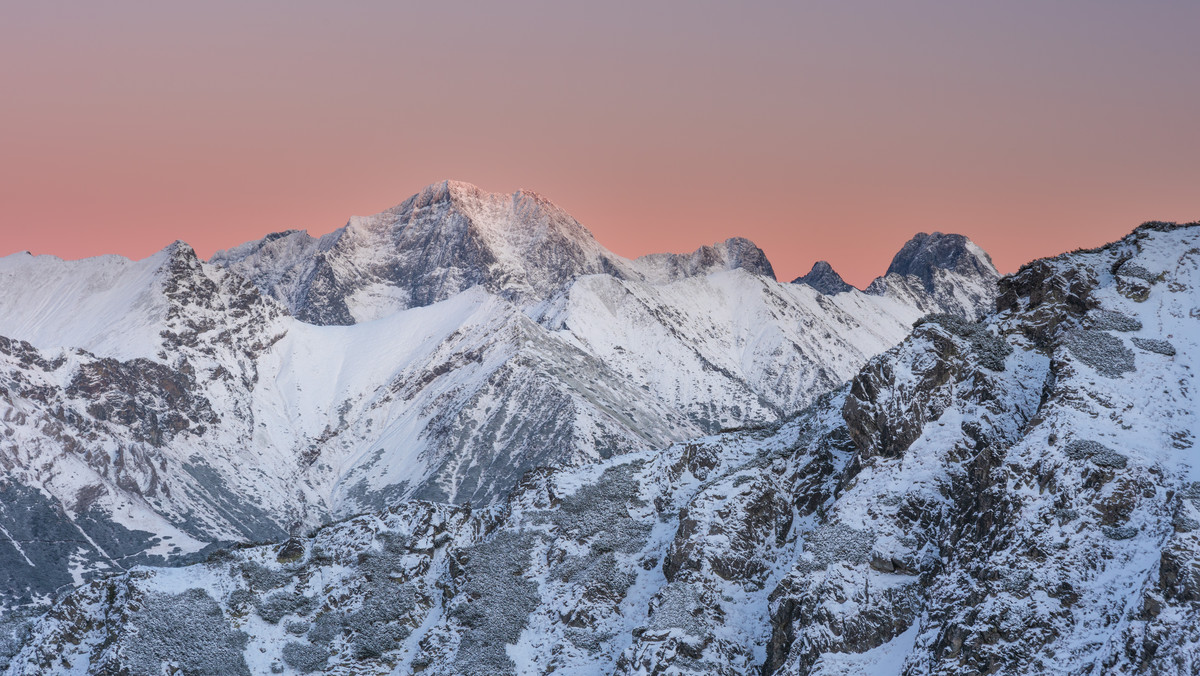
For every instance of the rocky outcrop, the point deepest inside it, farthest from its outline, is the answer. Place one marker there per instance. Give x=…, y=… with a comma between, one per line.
x=924, y=254
x=736, y=253
x=823, y=278
x=944, y=272
x=153, y=401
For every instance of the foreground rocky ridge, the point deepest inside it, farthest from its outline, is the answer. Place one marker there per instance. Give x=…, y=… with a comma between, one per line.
x=1019, y=495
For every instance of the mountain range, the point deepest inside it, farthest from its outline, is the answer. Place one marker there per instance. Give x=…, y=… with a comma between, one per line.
x=1015, y=495
x=468, y=439
x=439, y=350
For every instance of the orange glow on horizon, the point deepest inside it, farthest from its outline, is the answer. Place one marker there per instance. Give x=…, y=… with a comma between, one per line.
x=819, y=132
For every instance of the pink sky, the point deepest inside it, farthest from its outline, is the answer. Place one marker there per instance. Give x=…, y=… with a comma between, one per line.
x=818, y=130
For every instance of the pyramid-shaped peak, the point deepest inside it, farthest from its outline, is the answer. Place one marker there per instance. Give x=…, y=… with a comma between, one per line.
x=180, y=248
x=825, y=279
x=449, y=237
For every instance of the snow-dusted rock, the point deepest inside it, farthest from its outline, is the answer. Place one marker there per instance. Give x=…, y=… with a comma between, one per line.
x=941, y=273
x=737, y=253
x=439, y=350
x=444, y=240
x=825, y=279
x=982, y=498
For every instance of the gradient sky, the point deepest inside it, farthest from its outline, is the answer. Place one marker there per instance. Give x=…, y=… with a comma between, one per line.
x=819, y=130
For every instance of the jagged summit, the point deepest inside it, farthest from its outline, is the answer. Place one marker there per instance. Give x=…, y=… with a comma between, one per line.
x=271, y=237
x=732, y=254
x=825, y=279
x=948, y=269
x=496, y=211
x=936, y=272
x=179, y=249
x=453, y=235
x=508, y=224
x=446, y=238
x=924, y=253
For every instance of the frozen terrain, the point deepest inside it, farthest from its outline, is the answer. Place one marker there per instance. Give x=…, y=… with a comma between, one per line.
x=1016, y=495
x=439, y=350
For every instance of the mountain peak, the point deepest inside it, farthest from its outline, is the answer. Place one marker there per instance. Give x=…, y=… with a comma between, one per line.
x=732, y=254
x=450, y=190
x=944, y=272
x=494, y=216
x=512, y=228
x=179, y=249
x=448, y=237
x=925, y=252
x=825, y=279
x=461, y=191
x=741, y=253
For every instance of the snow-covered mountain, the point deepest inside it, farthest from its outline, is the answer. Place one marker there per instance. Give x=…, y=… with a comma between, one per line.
x=940, y=273
x=1019, y=495
x=439, y=350
x=936, y=272
x=440, y=242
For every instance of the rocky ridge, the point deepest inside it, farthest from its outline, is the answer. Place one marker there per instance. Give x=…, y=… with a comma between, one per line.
x=937, y=272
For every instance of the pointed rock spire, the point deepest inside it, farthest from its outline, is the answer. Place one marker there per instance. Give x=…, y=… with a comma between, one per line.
x=825, y=279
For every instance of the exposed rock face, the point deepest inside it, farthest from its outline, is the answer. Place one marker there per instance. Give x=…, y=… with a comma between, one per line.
x=926, y=253
x=943, y=270
x=737, y=253
x=447, y=238
x=979, y=499
x=1026, y=510
x=823, y=278
x=100, y=454
x=153, y=401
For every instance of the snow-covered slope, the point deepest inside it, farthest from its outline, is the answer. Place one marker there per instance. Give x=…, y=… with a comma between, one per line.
x=152, y=408
x=730, y=348
x=111, y=305
x=250, y=423
x=1019, y=495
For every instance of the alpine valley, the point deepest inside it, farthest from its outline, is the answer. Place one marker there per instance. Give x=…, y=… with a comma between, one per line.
x=462, y=437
